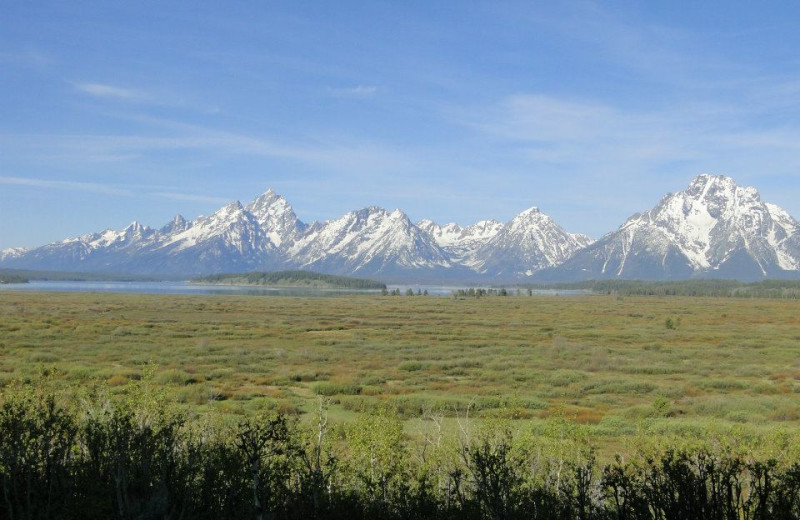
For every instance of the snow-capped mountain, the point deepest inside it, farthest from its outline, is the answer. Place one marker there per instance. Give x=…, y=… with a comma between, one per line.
x=231, y=237
x=714, y=228
x=94, y=251
x=461, y=243
x=371, y=240
x=12, y=252
x=266, y=234
x=530, y=242
x=276, y=217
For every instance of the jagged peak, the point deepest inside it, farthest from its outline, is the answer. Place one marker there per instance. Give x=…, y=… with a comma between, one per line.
x=231, y=206
x=430, y=225
x=362, y=214
x=533, y=210
x=705, y=179
x=705, y=193
x=487, y=222
x=178, y=223
x=532, y=214
x=268, y=197
x=705, y=184
x=13, y=251
x=136, y=226
x=398, y=214
x=483, y=227
x=369, y=210
x=276, y=217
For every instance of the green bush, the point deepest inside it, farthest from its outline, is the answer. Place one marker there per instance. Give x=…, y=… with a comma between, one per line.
x=115, y=460
x=329, y=389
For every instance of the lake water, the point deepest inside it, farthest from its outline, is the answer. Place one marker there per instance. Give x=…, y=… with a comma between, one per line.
x=244, y=290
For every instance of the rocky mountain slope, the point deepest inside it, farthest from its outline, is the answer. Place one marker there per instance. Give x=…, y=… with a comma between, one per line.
x=531, y=241
x=712, y=229
x=461, y=243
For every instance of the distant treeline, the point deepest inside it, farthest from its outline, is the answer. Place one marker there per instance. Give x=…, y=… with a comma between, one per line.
x=64, y=276
x=409, y=292
x=717, y=288
x=292, y=279
x=6, y=277
x=479, y=292
x=129, y=462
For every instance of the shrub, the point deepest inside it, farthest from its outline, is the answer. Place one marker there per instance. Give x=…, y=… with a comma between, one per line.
x=410, y=366
x=329, y=389
x=117, y=380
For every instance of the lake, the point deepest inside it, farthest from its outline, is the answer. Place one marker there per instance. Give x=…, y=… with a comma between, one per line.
x=240, y=290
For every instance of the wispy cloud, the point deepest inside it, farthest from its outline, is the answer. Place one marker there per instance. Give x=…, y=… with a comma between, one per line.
x=332, y=153
x=91, y=187
x=111, y=189
x=356, y=92
x=103, y=90
x=623, y=157
x=585, y=131
x=143, y=97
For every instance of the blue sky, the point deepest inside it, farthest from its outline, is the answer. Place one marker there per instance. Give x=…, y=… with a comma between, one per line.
x=458, y=111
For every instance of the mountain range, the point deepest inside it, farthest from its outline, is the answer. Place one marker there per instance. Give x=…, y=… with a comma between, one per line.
x=712, y=229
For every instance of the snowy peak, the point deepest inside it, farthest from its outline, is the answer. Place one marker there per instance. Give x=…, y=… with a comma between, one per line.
x=12, y=252
x=232, y=208
x=719, y=189
x=368, y=240
x=400, y=216
x=533, y=210
x=713, y=228
x=132, y=234
x=528, y=217
x=528, y=243
x=177, y=225
x=461, y=243
x=452, y=234
x=136, y=231
x=483, y=229
x=231, y=227
x=714, y=218
x=276, y=217
x=268, y=204
x=444, y=235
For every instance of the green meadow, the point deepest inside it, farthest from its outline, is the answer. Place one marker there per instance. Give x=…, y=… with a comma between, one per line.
x=618, y=366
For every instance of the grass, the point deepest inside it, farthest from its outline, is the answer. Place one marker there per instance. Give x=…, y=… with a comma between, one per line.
x=672, y=365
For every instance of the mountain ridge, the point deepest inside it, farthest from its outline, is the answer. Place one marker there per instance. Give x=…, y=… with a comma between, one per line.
x=713, y=228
